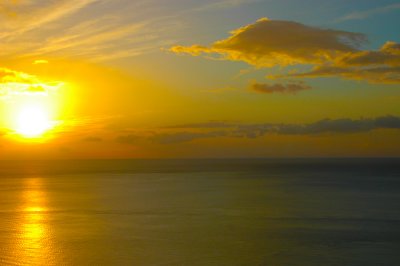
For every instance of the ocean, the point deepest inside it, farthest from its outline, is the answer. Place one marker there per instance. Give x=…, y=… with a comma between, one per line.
x=200, y=212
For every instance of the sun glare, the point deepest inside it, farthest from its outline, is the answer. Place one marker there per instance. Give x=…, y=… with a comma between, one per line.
x=32, y=121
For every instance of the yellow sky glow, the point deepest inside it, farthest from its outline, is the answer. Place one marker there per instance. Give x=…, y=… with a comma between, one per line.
x=86, y=79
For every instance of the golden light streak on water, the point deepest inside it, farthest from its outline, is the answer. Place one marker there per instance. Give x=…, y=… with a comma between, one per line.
x=34, y=246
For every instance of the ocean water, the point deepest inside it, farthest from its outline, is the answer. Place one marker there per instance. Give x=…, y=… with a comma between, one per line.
x=200, y=212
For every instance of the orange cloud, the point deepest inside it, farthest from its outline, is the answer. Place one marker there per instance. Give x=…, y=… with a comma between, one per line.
x=15, y=82
x=381, y=66
x=378, y=75
x=267, y=43
x=272, y=42
x=388, y=54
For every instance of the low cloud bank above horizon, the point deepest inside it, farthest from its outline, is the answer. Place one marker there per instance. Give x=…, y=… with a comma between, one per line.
x=190, y=132
x=268, y=43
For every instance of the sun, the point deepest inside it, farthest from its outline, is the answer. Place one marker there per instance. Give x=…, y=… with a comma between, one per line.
x=32, y=121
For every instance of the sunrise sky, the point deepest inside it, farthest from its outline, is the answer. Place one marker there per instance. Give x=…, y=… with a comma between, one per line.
x=189, y=78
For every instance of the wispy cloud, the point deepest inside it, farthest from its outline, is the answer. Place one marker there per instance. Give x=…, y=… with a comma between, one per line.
x=98, y=30
x=31, y=16
x=91, y=39
x=224, y=4
x=359, y=15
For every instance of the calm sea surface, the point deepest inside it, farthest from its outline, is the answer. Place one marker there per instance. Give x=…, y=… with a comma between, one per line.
x=200, y=212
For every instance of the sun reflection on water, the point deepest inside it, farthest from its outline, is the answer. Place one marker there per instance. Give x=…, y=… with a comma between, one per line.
x=34, y=247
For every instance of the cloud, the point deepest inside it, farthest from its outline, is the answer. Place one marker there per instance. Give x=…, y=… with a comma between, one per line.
x=388, y=54
x=9, y=75
x=344, y=125
x=378, y=75
x=329, y=126
x=267, y=43
x=387, y=122
x=95, y=30
x=223, y=4
x=290, y=88
x=91, y=37
x=359, y=15
x=179, y=137
x=211, y=124
x=29, y=15
x=186, y=133
x=14, y=83
x=35, y=89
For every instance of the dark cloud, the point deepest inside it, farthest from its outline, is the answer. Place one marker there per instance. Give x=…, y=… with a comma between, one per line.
x=388, y=122
x=344, y=125
x=290, y=88
x=251, y=131
x=211, y=124
x=179, y=137
x=329, y=125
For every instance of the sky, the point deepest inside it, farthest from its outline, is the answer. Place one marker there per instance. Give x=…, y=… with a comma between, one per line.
x=83, y=79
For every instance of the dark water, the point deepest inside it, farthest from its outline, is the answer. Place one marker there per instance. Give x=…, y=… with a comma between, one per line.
x=200, y=212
